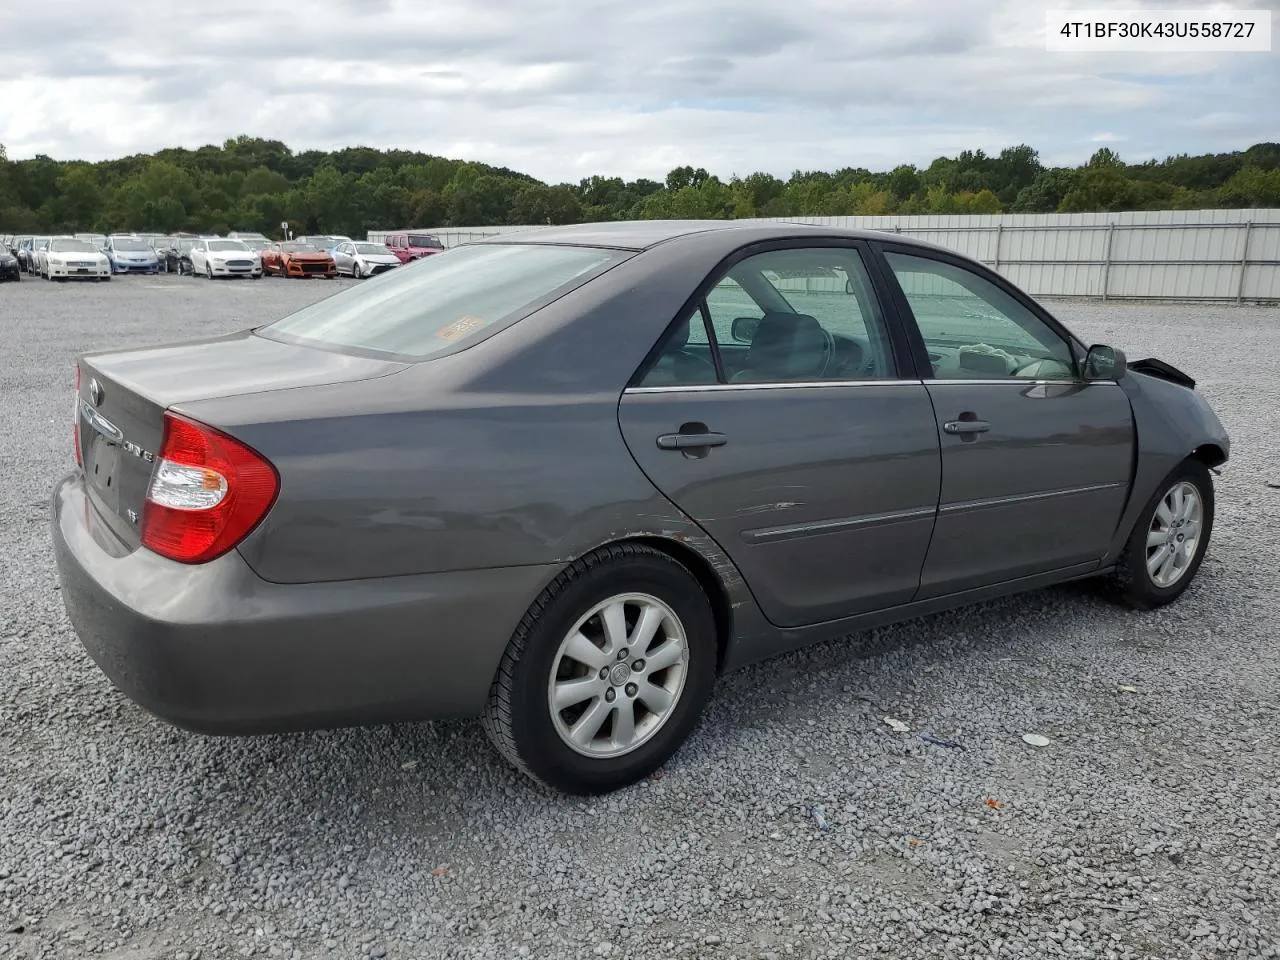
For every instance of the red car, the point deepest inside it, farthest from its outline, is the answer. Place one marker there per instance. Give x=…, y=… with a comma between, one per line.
x=413, y=246
x=293, y=258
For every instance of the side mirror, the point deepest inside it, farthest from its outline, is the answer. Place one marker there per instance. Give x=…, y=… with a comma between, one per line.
x=744, y=329
x=1105, y=363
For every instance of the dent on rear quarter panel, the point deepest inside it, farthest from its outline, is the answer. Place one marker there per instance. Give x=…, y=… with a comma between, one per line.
x=1172, y=422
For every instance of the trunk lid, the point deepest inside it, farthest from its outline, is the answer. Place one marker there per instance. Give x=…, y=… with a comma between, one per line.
x=124, y=394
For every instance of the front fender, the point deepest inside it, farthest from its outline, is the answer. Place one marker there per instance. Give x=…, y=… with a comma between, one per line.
x=1172, y=423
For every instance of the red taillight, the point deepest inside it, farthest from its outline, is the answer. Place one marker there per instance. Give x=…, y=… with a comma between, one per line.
x=76, y=432
x=207, y=492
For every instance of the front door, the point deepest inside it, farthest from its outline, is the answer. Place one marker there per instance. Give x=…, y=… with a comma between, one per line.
x=1036, y=462
x=777, y=417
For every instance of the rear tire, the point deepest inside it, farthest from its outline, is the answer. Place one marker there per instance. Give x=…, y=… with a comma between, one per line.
x=1168, y=541
x=569, y=646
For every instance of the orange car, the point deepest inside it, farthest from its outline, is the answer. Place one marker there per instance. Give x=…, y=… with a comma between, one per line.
x=293, y=258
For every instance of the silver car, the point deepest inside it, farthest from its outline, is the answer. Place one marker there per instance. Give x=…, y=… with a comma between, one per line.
x=359, y=259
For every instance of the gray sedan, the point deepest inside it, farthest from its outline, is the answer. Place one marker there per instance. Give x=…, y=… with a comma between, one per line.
x=561, y=480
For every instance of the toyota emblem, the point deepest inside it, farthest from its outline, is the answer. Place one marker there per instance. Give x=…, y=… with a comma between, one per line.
x=95, y=392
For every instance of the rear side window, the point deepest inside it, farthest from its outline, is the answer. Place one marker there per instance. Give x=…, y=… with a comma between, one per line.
x=426, y=309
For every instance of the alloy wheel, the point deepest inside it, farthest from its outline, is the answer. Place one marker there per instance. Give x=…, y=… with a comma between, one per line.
x=1174, y=534
x=618, y=675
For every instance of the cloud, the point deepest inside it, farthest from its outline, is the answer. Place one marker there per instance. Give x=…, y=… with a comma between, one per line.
x=566, y=88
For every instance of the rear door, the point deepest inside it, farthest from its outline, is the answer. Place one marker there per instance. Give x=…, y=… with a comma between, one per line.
x=782, y=414
x=1036, y=461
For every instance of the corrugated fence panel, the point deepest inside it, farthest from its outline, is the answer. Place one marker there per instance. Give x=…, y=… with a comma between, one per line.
x=1153, y=254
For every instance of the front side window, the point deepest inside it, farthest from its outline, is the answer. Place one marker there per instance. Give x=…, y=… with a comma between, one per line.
x=784, y=315
x=974, y=330
x=415, y=314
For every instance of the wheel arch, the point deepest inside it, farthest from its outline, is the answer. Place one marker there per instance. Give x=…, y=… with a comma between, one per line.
x=704, y=571
x=1210, y=454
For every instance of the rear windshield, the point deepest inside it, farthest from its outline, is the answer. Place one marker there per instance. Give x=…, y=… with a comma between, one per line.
x=417, y=313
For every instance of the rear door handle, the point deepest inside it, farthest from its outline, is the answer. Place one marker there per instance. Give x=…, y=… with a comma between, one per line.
x=691, y=441
x=966, y=426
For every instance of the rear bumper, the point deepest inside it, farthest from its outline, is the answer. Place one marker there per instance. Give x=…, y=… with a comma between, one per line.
x=216, y=649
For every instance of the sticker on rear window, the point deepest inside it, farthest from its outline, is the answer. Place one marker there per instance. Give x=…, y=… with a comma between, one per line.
x=460, y=328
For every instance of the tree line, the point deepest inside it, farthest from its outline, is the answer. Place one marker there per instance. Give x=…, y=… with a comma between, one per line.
x=250, y=183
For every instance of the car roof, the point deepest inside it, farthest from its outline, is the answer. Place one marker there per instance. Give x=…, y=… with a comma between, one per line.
x=643, y=234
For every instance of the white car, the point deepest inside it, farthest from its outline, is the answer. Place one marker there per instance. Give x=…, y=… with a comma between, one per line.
x=225, y=258
x=68, y=258
x=359, y=259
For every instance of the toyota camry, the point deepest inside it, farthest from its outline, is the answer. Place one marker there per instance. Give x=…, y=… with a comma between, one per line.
x=561, y=480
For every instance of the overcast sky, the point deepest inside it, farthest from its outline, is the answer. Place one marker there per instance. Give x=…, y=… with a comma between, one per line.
x=563, y=89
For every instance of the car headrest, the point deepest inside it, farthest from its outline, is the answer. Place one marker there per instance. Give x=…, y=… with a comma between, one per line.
x=679, y=335
x=788, y=346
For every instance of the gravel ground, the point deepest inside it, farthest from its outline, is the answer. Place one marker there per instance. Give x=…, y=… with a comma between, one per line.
x=796, y=823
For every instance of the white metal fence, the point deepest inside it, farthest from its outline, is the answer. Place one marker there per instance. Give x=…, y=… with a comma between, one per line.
x=1222, y=255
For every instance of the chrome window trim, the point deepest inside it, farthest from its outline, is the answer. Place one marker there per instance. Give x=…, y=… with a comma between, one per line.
x=1026, y=381
x=772, y=385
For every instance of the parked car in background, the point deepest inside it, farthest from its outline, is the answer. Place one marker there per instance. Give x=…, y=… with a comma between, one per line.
x=322, y=242
x=66, y=258
x=97, y=239
x=9, y=268
x=129, y=254
x=294, y=258
x=224, y=258
x=359, y=258
x=562, y=482
x=175, y=254
x=29, y=253
x=16, y=244
x=42, y=253
x=255, y=244
x=413, y=246
x=247, y=235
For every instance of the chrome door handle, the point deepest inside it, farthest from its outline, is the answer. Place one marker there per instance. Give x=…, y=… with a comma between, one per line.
x=691, y=441
x=966, y=426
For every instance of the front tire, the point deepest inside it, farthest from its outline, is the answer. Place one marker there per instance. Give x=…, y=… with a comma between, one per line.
x=607, y=673
x=1169, y=541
